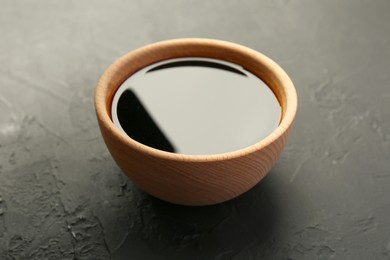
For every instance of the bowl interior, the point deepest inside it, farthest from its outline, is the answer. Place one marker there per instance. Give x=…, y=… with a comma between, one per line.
x=252, y=61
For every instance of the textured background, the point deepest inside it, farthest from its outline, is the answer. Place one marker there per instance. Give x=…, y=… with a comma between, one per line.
x=62, y=196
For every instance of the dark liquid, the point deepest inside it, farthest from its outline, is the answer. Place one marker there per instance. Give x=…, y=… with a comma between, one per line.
x=195, y=106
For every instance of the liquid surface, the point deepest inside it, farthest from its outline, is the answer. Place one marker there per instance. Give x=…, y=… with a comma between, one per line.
x=195, y=106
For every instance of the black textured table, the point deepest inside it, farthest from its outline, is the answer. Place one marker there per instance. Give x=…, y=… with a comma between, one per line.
x=63, y=197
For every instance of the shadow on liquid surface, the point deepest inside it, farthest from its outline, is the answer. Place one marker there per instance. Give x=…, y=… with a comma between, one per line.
x=210, y=232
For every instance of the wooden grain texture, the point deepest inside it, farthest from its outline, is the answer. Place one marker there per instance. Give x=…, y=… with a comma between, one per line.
x=194, y=179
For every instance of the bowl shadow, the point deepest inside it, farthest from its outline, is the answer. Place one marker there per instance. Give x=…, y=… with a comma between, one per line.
x=204, y=232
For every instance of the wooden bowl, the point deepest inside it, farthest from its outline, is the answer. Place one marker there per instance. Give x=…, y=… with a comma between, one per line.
x=194, y=179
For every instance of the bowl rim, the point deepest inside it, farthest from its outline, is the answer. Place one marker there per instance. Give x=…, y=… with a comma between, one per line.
x=105, y=86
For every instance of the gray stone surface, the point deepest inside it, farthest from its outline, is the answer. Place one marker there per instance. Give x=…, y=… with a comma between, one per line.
x=62, y=196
